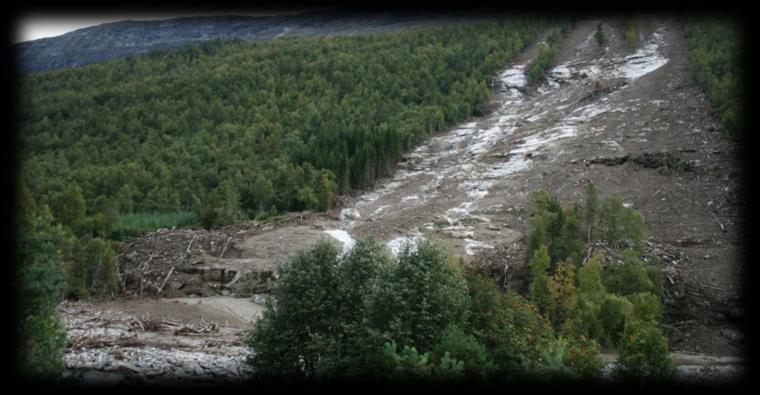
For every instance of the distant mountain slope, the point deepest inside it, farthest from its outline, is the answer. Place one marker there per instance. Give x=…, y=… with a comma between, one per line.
x=120, y=39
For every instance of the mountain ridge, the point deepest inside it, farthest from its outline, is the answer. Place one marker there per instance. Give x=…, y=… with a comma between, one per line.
x=115, y=40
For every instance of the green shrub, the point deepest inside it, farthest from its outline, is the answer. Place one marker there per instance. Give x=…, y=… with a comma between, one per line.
x=143, y=222
x=564, y=294
x=69, y=206
x=590, y=284
x=644, y=353
x=540, y=293
x=99, y=225
x=588, y=320
x=613, y=314
x=646, y=307
x=591, y=294
x=464, y=348
x=417, y=298
x=543, y=62
x=492, y=324
x=331, y=316
x=558, y=229
x=654, y=272
x=41, y=335
x=223, y=206
x=410, y=365
x=583, y=358
x=601, y=308
x=621, y=226
x=630, y=277
x=42, y=341
x=356, y=351
x=299, y=328
x=525, y=338
x=406, y=365
x=552, y=363
x=91, y=270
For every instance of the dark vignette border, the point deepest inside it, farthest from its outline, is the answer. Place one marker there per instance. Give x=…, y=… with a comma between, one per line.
x=741, y=14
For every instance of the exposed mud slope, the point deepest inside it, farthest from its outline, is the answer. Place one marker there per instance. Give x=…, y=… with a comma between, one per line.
x=628, y=119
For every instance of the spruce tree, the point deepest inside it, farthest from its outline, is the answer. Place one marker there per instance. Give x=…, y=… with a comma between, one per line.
x=592, y=206
x=539, y=283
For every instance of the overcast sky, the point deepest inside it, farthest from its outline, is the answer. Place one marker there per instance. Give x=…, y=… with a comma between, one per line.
x=33, y=27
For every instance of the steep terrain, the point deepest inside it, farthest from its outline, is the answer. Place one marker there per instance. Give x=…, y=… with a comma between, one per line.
x=126, y=38
x=629, y=119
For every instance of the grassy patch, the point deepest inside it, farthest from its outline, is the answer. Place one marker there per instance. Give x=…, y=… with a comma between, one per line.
x=135, y=224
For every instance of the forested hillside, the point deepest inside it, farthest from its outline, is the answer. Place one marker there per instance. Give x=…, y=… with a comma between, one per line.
x=110, y=41
x=233, y=129
x=716, y=65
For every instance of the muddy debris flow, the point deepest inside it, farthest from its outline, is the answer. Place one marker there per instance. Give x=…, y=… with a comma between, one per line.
x=630, y=120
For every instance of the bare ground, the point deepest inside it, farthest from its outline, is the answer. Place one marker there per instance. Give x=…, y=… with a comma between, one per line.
x=158, y=340
x=629, y=119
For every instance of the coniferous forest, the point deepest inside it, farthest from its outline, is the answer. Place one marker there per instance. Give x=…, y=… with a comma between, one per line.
x=232, y=130
x=716, y=64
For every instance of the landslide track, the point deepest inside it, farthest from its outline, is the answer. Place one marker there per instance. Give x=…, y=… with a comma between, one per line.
x=629, y=119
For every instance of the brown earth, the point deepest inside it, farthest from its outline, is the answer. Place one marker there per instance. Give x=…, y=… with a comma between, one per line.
x=629, y=119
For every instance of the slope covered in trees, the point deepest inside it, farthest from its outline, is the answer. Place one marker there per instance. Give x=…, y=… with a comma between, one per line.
x=716, y=65
x=232, y=129
x=609, y=297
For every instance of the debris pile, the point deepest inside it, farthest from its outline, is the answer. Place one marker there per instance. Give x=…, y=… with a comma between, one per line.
x=173, y=263
x=116, y=345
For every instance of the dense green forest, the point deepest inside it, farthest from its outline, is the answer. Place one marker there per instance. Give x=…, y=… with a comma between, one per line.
x=425, y=316
x=231, y=130
x=716, y=63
